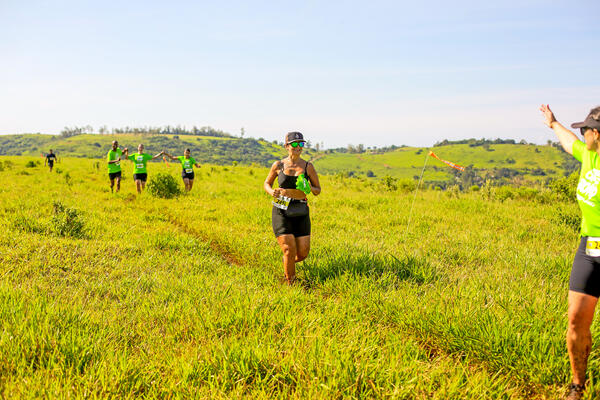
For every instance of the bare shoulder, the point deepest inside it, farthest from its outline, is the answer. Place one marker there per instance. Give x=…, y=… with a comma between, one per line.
x=277, y=165
x=310, y=167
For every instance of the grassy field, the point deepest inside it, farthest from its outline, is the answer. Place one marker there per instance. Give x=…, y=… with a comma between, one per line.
x=115, y=295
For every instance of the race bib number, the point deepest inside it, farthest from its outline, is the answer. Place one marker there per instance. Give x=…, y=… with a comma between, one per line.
x=282, y=202
x=189, y=170
x=139, y=166
x=592, y=247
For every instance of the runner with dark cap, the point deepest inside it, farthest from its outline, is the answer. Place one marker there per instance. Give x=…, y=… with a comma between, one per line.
x=290, y=215
x=113, y=158
x=50, y=158
x=584, y=283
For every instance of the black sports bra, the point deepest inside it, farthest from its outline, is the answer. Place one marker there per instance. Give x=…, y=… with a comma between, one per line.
x=289, y=181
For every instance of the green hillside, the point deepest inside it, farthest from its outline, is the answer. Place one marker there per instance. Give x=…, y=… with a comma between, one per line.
x=530, y=162
x=509, y=163
x=206, y=149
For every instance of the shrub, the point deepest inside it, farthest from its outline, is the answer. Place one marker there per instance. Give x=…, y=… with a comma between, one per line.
x=566, y=188
x=407, y=185
x=389, y=183
x=164, y=186
x=32, y=164
x=474, y=188
x=66, y=221
x=504, y=193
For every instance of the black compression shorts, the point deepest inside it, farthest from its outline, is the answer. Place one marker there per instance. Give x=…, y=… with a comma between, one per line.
x=113, y=175
x=186, y=175
x=282, y=225
x=585, y=275
x=141, y=177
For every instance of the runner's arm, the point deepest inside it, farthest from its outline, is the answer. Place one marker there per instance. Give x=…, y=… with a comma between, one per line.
x=168, y=155
x=158, y=155
x=565, y=136
x=268, y=185
x=315, y=185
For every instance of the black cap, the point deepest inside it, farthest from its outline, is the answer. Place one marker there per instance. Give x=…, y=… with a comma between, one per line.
x=592, y=121
x=294, y=137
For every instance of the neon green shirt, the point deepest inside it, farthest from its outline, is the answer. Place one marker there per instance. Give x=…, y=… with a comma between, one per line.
x=187, y=164
x=587, y=189
x=111, y=156
x=140, y=161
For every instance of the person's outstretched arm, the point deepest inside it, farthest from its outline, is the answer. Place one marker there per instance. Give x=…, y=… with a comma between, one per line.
x=565, y=136
x=158, y=155
x=170, y=156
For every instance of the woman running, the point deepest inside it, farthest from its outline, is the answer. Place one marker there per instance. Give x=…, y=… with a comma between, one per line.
x=584, y=283
x=290, y=215
x=187, y=163
x=140, y=173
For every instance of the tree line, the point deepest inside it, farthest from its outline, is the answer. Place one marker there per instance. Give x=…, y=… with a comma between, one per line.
x=145, y=130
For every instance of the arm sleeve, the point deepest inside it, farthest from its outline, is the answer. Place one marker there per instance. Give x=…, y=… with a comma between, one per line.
x=180, y=158
x=578, y=150
x=147, y=157
x=131, y=157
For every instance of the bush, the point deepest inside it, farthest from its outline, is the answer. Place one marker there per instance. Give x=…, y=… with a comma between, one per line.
x=566, y=188
x=389, y=183
x=504, y=193
x=164, y=186
x=66, y=221
x=32, y=164
x=474, y=188
x=407, y=185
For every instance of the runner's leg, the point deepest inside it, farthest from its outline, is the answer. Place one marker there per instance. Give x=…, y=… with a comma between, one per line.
x=579, y=336
x=287, y=243
x=302, y=247
x=186, y=182
x=191, y=184
x=138, y=185
x=112, y=184
x=118, y=183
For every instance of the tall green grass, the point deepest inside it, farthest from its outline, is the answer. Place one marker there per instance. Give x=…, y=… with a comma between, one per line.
x=182, y=298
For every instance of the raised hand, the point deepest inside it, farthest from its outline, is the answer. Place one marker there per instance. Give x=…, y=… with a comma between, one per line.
x=548, y=115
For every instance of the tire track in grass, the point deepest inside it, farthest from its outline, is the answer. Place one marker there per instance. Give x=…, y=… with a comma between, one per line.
x=221, y=249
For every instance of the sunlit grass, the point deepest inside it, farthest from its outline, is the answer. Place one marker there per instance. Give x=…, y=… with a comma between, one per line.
x=183, y=297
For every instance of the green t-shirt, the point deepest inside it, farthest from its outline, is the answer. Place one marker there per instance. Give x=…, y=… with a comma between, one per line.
x=139, y=162
x=187, y=164
x=587, y=189
x=111, y=156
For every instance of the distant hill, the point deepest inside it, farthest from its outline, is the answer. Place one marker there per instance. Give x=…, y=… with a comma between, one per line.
x=499, y=162
x=206, y=149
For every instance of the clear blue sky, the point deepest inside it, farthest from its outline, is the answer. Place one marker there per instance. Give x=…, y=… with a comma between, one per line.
x=376, y=72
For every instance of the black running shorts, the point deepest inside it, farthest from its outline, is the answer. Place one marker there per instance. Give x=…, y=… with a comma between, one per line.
x=185, y=175
x=585, y=275
x=113, y=175
x=141, y=177
x=282, y=225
